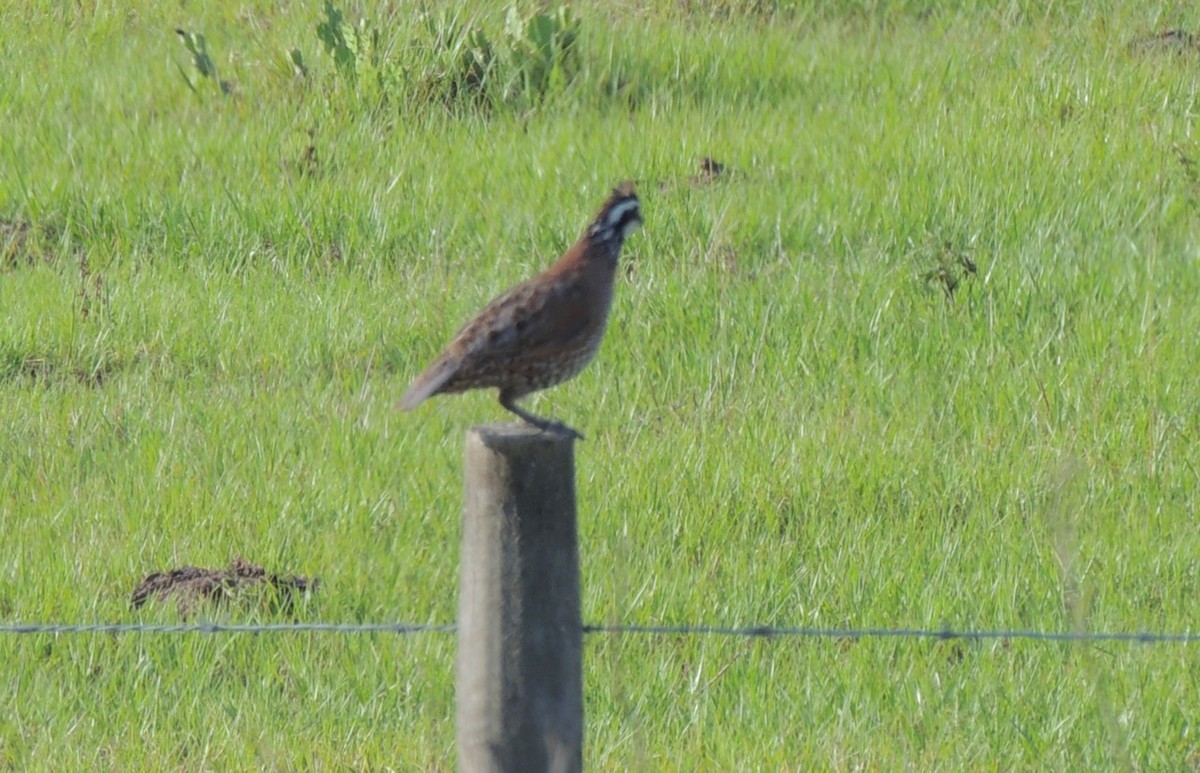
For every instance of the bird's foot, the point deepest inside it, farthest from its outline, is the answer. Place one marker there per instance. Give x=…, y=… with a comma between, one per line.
x=546, y=425
x=557, y=428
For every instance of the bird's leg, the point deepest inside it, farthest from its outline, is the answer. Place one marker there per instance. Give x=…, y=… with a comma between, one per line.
x=509, y=402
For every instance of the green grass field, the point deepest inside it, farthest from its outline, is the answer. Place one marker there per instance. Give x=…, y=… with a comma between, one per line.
x=211, y=297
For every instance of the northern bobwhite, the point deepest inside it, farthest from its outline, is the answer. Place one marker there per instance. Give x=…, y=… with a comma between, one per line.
x=543, y=331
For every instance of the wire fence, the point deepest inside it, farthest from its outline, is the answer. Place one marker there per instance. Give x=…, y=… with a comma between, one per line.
x=758, y=631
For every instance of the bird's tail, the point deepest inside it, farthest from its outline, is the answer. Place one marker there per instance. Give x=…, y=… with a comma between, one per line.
x=429, y=382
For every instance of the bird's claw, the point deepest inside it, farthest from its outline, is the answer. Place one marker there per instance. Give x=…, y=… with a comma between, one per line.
x=558, y=428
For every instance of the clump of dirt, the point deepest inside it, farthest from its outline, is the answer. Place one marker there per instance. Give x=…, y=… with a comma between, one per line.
x=710, y=170
x=243, y=581
x=15, y=236
x=1171, y=41
x=953, y=267
x=25, y=243
x=44, y=371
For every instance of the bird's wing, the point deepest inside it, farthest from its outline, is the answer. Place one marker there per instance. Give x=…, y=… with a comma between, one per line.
x=530, y=319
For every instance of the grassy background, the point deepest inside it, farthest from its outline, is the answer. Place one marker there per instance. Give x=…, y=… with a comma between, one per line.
x=203, y=335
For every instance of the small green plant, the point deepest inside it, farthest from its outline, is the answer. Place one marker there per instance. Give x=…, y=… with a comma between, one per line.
x=298, y=65
x=453, y=61
x=197, y=46
x=358, y=54
x=541, y=51
x=342, y=41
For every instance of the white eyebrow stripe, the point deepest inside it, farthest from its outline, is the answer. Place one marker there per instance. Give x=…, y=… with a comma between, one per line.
x=618, y=212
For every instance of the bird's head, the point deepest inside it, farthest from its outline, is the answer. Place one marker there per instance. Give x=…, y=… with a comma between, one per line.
x=619, y=216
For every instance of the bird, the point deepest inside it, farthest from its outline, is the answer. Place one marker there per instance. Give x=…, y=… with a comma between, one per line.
x=545, y=330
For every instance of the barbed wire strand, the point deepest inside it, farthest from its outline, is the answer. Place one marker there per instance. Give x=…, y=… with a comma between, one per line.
x=206, y=627
x=758, y=631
